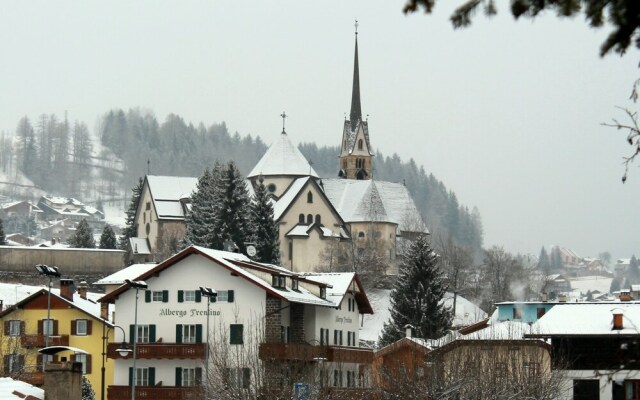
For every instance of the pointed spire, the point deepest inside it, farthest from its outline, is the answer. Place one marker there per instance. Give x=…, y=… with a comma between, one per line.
x=356, y=111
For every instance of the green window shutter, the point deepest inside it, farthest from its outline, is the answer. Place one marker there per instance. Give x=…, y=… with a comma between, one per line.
x=165, y=296
x=132, y=333
x=246, y=378
x=198, y=376
x=130, y=376
x=147, y=296
x=152, y=376
x=152, y=333
x=230, y=296
x=198, y=296
x=180, y=296
x=178, y=376
x=178, y=333
x=236, y=336
x=199, y=333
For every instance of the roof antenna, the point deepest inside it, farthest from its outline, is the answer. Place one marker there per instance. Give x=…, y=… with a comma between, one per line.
x=148, y=166
x=283, y=115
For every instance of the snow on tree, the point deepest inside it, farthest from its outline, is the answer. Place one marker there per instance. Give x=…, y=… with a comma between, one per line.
x=87, y=390
x=3, y=238
x=131, y=229
x=83, y=237
x=264, y=227
x=199, y=222
x=108, y=238
x=416, y=298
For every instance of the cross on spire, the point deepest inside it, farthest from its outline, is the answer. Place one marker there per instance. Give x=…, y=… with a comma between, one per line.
x=356, y=25
x=283, y=115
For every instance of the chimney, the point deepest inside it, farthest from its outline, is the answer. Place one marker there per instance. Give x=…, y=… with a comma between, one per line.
x=617, y=319
x=63, y=380
x=82, y=290
x=544, y=296
x=53, y=240
x=625, y=295
x=407, y=330
x=562, y=298
x=104, y=311
x=67, y=289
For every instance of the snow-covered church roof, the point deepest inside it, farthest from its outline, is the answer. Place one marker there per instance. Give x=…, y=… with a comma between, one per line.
x=283, y=158
x=369, y=200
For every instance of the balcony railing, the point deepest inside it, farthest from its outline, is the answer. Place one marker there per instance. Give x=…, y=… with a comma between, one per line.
x=191, y=351
x=307, y=352
x=40, y=340
x=154, y=392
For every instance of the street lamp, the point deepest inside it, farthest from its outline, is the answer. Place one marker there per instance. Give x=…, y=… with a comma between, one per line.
x=209, y=294
x=137, y=285
x=51, y=272
x=123, y=351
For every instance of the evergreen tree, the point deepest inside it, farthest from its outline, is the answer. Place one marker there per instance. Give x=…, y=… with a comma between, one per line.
x=3, y=238
x=131, y=229
x=633, y=273
x=556, y=259
x=199, y=222
x=87, y=390
x=615, y=285
x=265, y=229
x=417, y=295
x=108, y=238
x=83, y=237
x=231, y=212
x=544, y=264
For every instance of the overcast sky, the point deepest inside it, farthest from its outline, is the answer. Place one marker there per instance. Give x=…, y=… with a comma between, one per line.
x=507, y=114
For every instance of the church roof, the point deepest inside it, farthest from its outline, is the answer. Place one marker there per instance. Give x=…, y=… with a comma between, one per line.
x=283, y=158
x=369, y=200
x=166, y=192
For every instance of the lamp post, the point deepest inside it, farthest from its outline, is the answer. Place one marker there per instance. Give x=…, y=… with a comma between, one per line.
x=50, y=272
x=209, y=294
x=137, y=285
x=123, y=351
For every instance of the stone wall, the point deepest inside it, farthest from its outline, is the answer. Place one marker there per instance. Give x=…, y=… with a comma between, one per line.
x=273, y=320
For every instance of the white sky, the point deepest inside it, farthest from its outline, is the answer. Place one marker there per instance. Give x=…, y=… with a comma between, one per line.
x=506, y=113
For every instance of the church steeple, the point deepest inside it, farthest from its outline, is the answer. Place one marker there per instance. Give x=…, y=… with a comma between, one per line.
x=356, y=109
x=356, y=155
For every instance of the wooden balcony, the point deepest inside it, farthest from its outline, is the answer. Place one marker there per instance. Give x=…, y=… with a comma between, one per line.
x=171, y=351
x=40, y=340
x=307, y=352
x=155, y=392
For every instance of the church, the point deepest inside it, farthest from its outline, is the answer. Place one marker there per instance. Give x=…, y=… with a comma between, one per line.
x=324, y=223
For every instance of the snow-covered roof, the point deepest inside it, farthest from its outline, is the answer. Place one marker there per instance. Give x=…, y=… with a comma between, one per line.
x=282, y=159
x=369, y=200
x=339, y=282
x=167, y=191
x=588, y=319
x=139, y=245
x=283, y=202
x=131, y=272
x=14, y=389
x=506, y=330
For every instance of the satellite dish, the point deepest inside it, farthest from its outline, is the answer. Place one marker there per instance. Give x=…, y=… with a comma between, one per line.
x=251, y=251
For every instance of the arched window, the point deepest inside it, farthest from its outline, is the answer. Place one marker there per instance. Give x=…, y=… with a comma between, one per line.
x=360, y=234
x=309, y=219
x=301, y=218
x=309, y=197
x=318, y=221
x=360, y=144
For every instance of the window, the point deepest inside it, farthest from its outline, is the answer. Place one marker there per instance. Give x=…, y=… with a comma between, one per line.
x=85, y=359
x=360, y=234
x=517, y=313
x=340, y=337
x=337, y=378
x=188, y=376
x=143, y=376
x=144, y=218
x=145, y=333
x=13, y=363
x=225, y=296
x=541, y=312
x=309, y=219
x=360, y=144
x=285, y=333
x=190, y=295
x=337, y=337
x=278, y=281
x=147, y=228
x=309, y=197
x=81, y=327
x=148, y=205
x=351, y=378
x=294, y=284
x=631, y=388
x=271, y=187
x=324, y=337
x=236, y=335
x=239, y=377
x=156, y=295
x=290, y=250
x=323, y=292
x=586, y=389
x=318, y=219
x=301, y=219
x=48, y=327
x=15, y=328
x=189, y=334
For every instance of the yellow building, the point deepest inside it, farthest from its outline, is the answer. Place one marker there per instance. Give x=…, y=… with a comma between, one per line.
x=75, y=321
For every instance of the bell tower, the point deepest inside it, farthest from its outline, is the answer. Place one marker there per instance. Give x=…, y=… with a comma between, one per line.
x=355, y=154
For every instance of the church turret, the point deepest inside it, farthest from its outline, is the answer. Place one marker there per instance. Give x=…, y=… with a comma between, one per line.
x=356, y=155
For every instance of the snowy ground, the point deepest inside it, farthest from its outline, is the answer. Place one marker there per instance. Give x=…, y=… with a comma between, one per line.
x=466, y=313
x=586, y=283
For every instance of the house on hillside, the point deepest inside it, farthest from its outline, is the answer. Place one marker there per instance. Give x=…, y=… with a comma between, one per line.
x=596, y=345
x=76, y=321
x=22, y=209
x=300, y=326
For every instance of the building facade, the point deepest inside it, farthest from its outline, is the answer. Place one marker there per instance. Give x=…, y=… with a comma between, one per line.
x=266, y=327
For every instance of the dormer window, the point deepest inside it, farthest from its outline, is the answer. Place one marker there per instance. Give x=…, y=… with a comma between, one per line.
x=294, y=284
x=279, y=281
x=323, y=292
